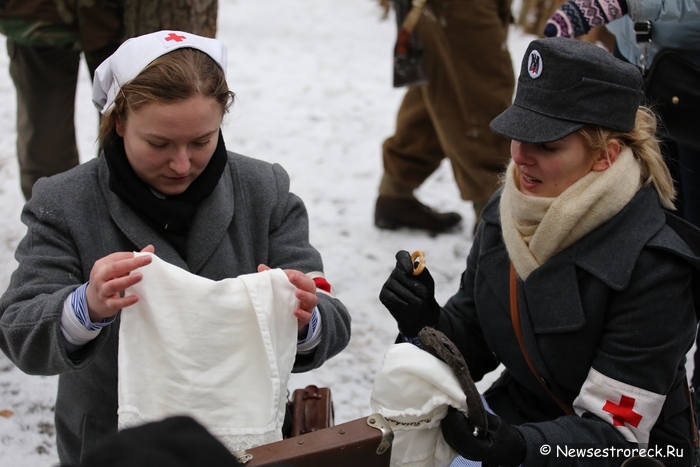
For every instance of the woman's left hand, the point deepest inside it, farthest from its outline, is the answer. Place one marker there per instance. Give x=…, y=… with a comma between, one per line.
x=306, y=294
x=502, y=444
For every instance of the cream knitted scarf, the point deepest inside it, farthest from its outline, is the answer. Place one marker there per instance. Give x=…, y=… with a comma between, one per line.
x=537, y=228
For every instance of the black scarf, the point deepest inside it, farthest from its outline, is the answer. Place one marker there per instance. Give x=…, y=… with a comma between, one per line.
x=170, y=216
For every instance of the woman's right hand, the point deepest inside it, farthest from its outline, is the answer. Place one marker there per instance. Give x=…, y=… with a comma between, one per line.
x=109, y=278
x=410, y=299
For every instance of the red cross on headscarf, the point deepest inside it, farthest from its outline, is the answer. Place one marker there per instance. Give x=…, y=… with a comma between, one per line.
x=622, y=413
x=174, y=37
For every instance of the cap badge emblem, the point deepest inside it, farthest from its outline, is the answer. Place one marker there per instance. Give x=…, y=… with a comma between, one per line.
x=534, y=64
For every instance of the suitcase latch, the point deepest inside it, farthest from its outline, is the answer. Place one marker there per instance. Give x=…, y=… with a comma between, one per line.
x=242, y=456
x=377, y=421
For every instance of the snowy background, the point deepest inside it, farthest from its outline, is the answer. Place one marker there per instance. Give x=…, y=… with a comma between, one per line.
x=313, y=93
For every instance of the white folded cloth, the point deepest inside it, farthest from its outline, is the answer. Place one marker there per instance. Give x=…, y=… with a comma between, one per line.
x=218, y=351
x=413, y=390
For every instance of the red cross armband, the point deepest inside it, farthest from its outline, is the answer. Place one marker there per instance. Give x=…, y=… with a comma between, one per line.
x=633, y=411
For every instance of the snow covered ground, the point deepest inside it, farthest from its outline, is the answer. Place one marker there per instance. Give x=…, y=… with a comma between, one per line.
x=313, y=92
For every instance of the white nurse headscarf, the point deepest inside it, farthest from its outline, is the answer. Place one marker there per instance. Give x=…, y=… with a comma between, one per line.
x=137, y=53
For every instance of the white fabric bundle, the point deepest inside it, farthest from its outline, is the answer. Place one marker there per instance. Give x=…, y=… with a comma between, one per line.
x=219, y=351
x=412, y=391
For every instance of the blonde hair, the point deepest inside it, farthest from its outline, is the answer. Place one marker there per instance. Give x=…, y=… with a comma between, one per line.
x=645, y=147
x=175, y=76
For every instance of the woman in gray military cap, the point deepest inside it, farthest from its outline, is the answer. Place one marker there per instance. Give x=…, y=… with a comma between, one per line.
x=579, y=282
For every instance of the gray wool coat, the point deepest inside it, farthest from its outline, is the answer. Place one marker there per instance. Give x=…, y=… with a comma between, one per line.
x=622, y=300
x=73, y=219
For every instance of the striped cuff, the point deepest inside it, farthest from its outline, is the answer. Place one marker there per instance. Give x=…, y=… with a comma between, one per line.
x=79, y=304
x=72, y=329
x=411, y=340
x=76, y=326
x=313, y=336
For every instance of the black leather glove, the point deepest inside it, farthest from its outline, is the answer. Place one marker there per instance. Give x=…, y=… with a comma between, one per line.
x=502, y=445
x=410, y=299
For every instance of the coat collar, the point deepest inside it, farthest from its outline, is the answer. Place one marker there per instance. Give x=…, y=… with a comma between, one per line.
x=210, y=223
x=610, y=251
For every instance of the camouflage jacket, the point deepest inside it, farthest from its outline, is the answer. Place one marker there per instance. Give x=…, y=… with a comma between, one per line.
x=85, y=25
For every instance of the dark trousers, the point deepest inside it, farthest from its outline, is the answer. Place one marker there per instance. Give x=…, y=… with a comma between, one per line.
x=45, y=79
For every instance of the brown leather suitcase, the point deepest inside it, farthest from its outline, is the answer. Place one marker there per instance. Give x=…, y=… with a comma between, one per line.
x=363, y=442
x=312, y=409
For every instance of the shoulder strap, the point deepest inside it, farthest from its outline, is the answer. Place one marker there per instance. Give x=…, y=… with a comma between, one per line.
x=515, y=317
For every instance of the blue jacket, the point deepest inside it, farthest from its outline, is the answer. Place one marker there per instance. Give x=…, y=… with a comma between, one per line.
x=675, y=24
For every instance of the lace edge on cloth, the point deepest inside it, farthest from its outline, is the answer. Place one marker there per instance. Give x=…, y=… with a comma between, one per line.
x=234, y=442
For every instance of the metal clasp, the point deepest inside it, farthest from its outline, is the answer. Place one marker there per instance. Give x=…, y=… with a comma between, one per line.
x=242, y=457
x=377, y=421
x=642, y=31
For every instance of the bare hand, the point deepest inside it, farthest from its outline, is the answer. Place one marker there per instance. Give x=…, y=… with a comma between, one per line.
x=109, y=278
x=306, y=294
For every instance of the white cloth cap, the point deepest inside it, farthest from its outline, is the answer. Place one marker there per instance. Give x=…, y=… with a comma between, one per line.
x=412, y=391
x=136, y=53
x=221, y=352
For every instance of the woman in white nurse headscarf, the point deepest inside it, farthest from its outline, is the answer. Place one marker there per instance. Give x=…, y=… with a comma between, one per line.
x=579, y=282
x=165, y=183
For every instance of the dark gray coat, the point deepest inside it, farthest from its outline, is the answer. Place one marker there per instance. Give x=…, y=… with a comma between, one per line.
x=621, y=300
x=73, y=219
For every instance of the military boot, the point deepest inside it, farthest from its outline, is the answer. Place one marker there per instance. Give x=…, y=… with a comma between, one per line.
x=392, y=213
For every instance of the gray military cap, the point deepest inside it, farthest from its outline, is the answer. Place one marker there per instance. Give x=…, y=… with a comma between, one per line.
x=567, y=83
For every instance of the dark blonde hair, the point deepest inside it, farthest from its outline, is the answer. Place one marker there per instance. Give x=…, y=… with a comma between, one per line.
x=173, y=77
x=645, y=147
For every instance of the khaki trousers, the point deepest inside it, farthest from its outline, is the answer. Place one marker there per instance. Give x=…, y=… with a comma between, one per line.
x=470, y=81
x=45, y=79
